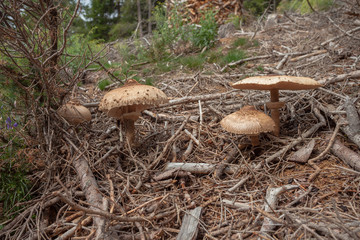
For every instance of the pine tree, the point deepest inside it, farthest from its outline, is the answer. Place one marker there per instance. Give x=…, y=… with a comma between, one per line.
x=101, y=16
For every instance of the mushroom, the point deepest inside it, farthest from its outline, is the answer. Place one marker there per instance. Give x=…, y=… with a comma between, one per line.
x=74, y=113
x=127, y=102
x=250, y=122
x=274, y=84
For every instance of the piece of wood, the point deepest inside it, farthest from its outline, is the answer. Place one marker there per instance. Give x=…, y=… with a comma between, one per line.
x=302, y=155
x=244, y=60
x=271, y=204
x=220, y=168
x=352, y=115
x=189, y=226
x=239, y=206
x=197, y=168
x=90, y=187
x=346, y=154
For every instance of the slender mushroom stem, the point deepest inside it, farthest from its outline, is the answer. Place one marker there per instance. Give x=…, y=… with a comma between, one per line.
x=129, y=125
x=254, y=140
x=275, y=113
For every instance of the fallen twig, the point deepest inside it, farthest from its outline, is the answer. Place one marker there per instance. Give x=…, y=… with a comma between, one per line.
x=270, y=205
x=322, y=154
x=244, y=60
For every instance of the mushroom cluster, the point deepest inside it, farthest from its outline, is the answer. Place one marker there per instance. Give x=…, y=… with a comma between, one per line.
x=127, y=102
x=274, y=84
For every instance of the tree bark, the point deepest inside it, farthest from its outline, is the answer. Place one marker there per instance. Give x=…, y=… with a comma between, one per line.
x=149, y=16
x=139, y=18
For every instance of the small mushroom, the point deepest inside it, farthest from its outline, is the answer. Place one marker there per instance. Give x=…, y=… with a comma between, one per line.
x=74, y=113
x=127, y=102
x=274, y=84
x=250, y=122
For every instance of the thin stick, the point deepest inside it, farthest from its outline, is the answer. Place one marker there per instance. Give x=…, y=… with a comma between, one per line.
x=162, y=154
x=321, y=155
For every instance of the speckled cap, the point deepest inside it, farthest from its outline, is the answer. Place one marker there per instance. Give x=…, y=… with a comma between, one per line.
x=74, y=113
x=248, y=121
x=132, y=97
x=276, y=82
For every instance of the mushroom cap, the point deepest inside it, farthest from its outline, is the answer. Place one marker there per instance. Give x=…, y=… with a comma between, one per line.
x=132, y=97
x=276, y=82
x=248, y=121
x=74, y=113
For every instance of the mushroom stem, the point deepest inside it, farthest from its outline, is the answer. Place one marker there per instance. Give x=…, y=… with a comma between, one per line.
x=129, y=125
x=254, y=140
x=275, y=113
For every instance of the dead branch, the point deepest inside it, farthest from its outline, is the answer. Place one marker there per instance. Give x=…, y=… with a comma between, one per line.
x=244, y=60
x=98, y=212
x=189, y=227
x=347, y=155
x=323, y=153
x=271, y=204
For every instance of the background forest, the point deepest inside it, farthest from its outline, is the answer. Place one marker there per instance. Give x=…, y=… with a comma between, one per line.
x=58, y=51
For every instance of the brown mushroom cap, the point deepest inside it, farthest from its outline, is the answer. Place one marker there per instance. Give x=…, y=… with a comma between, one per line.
x=132, y=98
x=248, y=121
x=276, y=82
x=74, y=113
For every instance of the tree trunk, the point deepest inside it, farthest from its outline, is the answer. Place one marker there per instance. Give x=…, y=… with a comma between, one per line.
x=139, y=18
x=149, y=16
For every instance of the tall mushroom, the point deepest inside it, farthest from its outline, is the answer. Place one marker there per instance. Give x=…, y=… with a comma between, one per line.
x=274, y=84
x=250, y=122
x=74, y=113
x=127, y=102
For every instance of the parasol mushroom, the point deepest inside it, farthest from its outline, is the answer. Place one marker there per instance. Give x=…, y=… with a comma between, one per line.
x=274, y=84
x=250, y=122
x=127, y=102
x=74, y=113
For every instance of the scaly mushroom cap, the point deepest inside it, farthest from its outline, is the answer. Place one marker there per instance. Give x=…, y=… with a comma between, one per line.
x=276, y=82
x=248, y=121
x=74, y=113
x=130, y=99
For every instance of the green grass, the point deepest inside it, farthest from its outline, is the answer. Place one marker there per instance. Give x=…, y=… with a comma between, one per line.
x=14, y=183
x=103, y=84
x=193, y=62
x=232, y=56
x=240, y=42
x=302, y=6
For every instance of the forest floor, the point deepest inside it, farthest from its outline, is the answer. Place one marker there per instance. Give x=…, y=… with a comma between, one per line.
x=236, y=191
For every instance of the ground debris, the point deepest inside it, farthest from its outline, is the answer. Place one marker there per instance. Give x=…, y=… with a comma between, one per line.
x=185, y=160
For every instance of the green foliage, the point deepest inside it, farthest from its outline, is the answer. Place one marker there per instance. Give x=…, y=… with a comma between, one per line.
x=103, y=83
x=14, y=185
x=80, y=49
x=234, y=19
x=169, y=30
x=240, y=42
x=260, y=68
x=101, y=16
x=256, y=7
x=149, y=81
x=205, y=35
x=194, y=62
x=122, y=29
x=164, y=66
x=232, y=56
x=302, y=6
